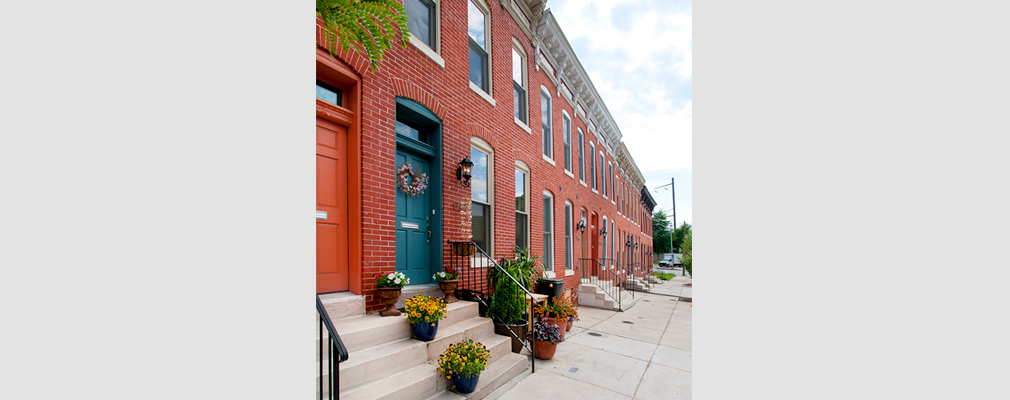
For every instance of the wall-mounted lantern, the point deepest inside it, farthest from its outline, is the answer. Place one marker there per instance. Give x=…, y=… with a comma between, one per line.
x=581, y=227
x=603, y=231
x=463, y=171
x=628, y=243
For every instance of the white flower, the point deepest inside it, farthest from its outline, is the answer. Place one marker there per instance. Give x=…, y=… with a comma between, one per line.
x=390, y=276
x=407, y=282
x=397, y=281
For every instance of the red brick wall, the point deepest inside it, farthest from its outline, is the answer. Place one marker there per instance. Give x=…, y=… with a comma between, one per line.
x=407, y=72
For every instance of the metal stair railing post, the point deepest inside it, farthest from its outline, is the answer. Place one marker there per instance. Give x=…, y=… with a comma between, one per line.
x=334, y=344
x=475, y=287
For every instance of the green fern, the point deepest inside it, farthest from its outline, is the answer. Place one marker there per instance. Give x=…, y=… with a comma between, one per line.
x=370, y=25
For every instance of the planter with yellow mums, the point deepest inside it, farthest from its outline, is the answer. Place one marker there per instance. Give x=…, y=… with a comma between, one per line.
x=423, y=313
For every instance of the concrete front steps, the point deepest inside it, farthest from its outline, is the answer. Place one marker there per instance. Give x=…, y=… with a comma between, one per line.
x=385, y=362
x=592, y=295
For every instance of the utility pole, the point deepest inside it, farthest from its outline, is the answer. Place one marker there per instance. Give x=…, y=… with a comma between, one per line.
x=673, y=193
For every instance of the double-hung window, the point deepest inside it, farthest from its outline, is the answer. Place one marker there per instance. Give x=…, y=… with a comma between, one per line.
x=569, y=262
x=592, y=163
x=422, y=20
x=519, y=97
x=480, y=196
x=610, y=174
x=545, y=123
x=479, y=39
x=603, y=178
x=522, y=209
x=582, y=149
x=566, y=128
x=548, y=231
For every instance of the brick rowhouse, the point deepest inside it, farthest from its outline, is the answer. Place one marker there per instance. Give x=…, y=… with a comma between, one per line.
x=365, y=241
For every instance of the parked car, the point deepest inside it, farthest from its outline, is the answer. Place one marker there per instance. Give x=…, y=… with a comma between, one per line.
x=670, y=261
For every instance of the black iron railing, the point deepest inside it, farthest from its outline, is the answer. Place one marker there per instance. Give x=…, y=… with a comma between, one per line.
x=473, y=264
x=330, y=359
x=640, y=277
x=603, y=273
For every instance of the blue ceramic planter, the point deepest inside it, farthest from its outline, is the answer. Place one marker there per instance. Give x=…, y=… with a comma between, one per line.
x=425, y=331
x=465, y=384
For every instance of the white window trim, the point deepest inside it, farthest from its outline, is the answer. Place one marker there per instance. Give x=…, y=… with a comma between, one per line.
x=570, y=232
x=522, y=125
x=603, y=177
x=592, y=162
x=554, y=260
x=582, y=165
x=570, y=174
x=549, y=160
x=526, y=168
x=484, y=146
x=489, y=96
x=428, y=51
x=525, y=83
x=480, y=92
x=564, y=115
x=543, y=90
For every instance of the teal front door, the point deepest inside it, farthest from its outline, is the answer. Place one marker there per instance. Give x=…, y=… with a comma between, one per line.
x=415, y=219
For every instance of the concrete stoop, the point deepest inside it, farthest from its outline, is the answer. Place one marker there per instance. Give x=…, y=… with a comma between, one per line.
x=591, y=295
x=385, y=362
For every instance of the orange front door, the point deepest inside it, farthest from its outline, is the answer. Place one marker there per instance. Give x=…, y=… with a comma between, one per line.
x=331, y=206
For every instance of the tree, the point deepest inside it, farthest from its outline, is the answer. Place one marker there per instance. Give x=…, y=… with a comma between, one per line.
x=370, y=25
x=661, y=232
x=685, y=250
x=678, y=235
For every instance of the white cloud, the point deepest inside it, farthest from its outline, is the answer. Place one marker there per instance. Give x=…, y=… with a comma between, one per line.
x=639, y=56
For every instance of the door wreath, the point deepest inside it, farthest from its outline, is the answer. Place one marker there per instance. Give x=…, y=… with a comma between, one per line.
x=411, y=184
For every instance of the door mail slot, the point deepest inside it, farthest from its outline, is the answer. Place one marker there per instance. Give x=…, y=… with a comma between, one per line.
x=408, y=225
x=320, y=214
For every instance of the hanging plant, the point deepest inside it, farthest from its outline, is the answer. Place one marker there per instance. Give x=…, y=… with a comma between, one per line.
x=411, y=184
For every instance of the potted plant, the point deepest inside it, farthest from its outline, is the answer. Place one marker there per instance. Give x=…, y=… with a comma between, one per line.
x=467, y=248
x=508, y=302
x=566, y=307
x=389, y=287
x=447, y=281
x=423, y=313
x=552, y=314
x=462, y=362
x=546, y=337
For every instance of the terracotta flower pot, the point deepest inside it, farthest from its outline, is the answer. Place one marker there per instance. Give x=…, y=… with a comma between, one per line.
x=448, y=287
x=560, y=325
x=388, y=298
x=568, y=326
x=544, y=350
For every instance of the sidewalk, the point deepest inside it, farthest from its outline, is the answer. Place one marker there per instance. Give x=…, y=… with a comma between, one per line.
x=642, y=353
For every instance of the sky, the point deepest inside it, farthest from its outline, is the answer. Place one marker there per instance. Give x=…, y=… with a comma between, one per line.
x=638, y=55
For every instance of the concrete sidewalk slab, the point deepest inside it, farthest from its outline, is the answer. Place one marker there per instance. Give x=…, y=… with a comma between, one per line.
x=616, y=344
x=549, y=385
x=664, y=383
x=605, y=358
x=596, y=367
x=619, y=328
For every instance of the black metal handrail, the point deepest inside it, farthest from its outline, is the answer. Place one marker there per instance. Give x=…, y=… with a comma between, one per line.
x=607, y=278
x=334, y=345
x=473, y=286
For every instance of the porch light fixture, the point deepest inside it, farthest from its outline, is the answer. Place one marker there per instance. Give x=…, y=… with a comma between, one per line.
x=581, y=227
x=628, y=243
x=463, y=171
x=603, y=231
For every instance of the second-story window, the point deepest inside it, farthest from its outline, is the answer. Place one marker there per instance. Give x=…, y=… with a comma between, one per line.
x=603, y=177
x=582, y=164
x=592, y=163
x=545, y=123
x=566, y=128
x=477, y=30
x=519, y=85
x=422, y=22
x=480, y=193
